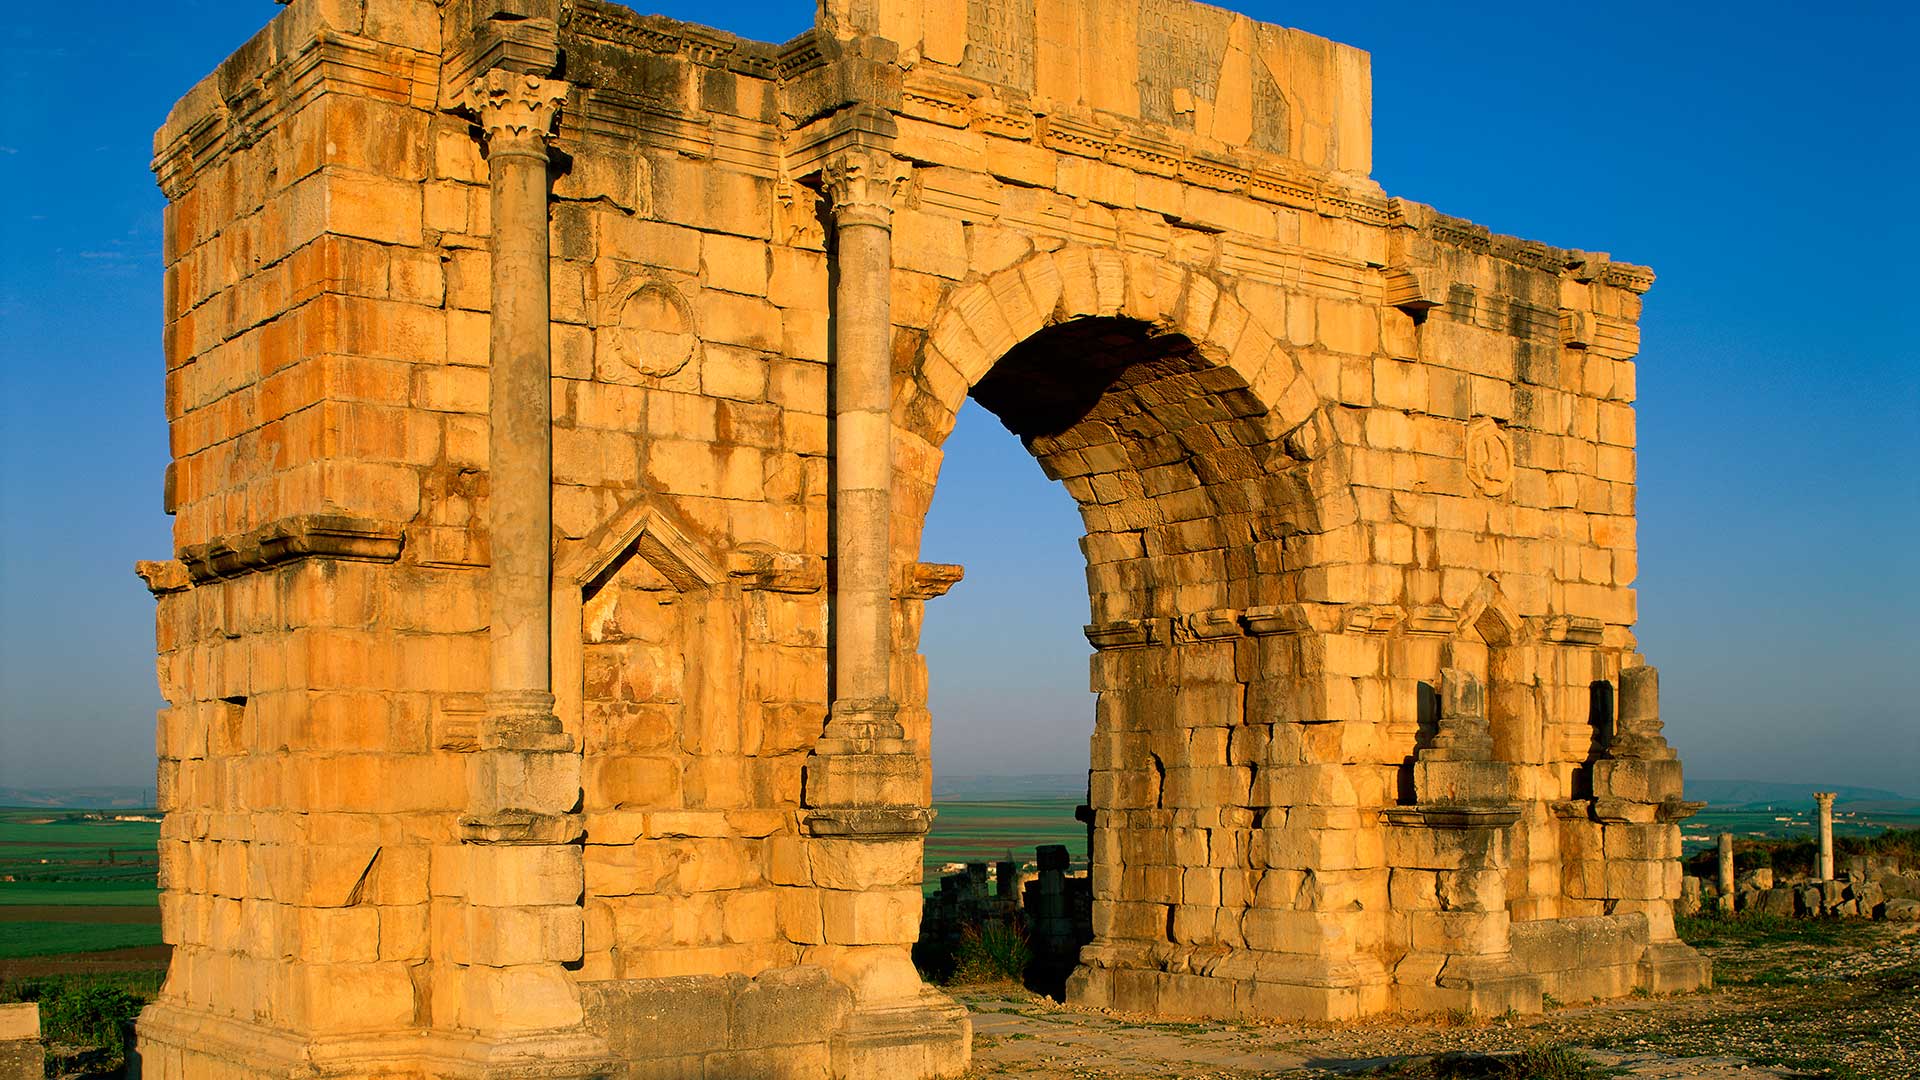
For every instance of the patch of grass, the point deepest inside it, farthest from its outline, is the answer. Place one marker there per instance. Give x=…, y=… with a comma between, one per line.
x=1534, y=1063
x=85, y=1016
x=1181, y=1027
x=18, y=939
x=128, y=835
x=1719, y=929
x=1763, y=977
x=996, y=952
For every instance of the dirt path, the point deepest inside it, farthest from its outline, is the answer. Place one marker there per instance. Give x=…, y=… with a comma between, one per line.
x=138, y=958
x=1839, y=1001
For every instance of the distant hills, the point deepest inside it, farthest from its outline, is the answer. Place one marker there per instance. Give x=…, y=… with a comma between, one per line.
x=105, y=797
x=1730, y=794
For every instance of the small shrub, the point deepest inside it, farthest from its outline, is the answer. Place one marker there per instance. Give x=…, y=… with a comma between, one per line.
x=93, y=1014
x=996, y=952
x=88, y=1013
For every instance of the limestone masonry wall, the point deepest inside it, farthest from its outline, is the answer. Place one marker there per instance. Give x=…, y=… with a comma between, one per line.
x=1357, y=480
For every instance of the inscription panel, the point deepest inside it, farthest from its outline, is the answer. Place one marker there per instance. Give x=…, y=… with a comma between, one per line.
x=1272, y=121
x=1182, y=48
x=1000, y=42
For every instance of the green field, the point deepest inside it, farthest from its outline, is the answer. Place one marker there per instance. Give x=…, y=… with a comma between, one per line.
x=18, y=939
x=1749, y=823
x=24, y=827
x=78, y=894
x=71, y=885
x=1002, y=829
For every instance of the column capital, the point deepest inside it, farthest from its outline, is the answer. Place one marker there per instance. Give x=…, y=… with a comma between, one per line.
x=515, y=108
x=861, y=185
x=1824, y=798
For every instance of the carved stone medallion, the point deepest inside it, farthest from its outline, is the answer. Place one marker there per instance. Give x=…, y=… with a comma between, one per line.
x=1489, y=457
x=652, y=330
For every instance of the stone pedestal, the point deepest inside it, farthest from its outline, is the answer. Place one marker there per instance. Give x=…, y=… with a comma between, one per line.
x=21, y=1055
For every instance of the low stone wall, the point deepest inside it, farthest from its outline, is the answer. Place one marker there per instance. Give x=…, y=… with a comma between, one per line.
x=21, y=1055
x=1894, y=896
x=1604, y=956
x=1578, y=959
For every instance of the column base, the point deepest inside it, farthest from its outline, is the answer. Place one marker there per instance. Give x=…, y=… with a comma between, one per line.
x=1673, y=967
x=1244, y=984
x=923, y=1039
x=1478, y=985
x=179, y=1043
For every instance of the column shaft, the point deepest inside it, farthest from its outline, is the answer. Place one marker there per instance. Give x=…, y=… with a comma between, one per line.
x=1726, y=872
x=863, y=461
x=864, y=778
x=520, y=453
x=1823, y=809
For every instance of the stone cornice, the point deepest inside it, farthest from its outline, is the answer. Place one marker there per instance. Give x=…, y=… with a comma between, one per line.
x=245, y=97
x=290, y=539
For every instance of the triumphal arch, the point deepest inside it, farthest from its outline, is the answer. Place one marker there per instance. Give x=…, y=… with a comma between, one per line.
x=556, y=396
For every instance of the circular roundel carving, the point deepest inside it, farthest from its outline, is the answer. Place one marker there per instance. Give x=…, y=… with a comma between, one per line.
x=1489, y=457
x=653, y=329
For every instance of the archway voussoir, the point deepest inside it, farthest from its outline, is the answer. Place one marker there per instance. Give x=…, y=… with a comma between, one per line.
x=1230, y=319
x=1256, y=355
x=1015, y=300
x=954, y=339
x=942, y=378
x=1194, y=316
x=1042, y=276
x=1110, y=282
x=1079, y=289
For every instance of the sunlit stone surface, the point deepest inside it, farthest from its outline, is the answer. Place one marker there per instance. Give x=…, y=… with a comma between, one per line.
x=445, y=799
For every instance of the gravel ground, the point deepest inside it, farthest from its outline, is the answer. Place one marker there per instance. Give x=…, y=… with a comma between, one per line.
x=1838, y=1000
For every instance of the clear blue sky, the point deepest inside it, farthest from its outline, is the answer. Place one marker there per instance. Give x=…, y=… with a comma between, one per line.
x=1761, y=159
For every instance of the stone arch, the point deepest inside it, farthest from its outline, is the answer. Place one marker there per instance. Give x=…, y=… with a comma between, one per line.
x=1194, y=443
x=1276, y=441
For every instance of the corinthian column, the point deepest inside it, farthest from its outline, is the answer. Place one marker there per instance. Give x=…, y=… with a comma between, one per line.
x=516, y=112
x=524, y=875
x=861, y=186
x=863, y=775
x=1823, y=821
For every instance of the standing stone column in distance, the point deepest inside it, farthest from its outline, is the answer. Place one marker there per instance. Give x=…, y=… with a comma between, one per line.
x=1725, y=899
x=1823, y=819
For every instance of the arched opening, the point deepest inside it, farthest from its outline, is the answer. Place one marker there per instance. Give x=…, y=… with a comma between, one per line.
x=1166, y=456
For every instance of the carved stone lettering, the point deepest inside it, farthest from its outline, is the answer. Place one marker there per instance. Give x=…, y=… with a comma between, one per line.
x=1270, y=113
x=1181, y=49
x=1000, y=42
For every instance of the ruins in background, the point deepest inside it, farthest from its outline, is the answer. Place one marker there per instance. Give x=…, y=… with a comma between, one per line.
x=557, y=395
